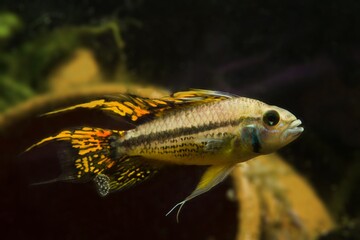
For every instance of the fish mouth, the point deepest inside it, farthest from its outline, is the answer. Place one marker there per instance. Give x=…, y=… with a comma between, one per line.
x=293, y=131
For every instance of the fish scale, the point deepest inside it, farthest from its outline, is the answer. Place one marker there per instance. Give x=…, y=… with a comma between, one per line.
x=152, y=139
x=195, y=116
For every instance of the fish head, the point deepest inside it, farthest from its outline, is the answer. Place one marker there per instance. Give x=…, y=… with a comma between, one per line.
x=273, y=129
x=278, y=127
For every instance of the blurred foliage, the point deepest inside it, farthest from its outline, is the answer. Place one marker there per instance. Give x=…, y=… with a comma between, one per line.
x=24, y=67
x=10, y=24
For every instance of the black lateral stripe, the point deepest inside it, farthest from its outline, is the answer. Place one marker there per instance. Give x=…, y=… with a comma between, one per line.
x=178, y=132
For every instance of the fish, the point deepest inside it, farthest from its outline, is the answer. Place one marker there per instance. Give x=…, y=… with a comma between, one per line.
x=195, y=127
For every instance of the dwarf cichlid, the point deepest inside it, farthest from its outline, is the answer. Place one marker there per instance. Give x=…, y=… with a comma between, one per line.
x=197, y=127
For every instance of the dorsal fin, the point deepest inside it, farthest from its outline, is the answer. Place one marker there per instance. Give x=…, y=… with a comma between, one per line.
x=202, y=95
x=184, y=99
x=134, y=108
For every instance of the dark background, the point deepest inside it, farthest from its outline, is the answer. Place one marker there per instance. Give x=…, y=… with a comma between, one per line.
x=301, y=55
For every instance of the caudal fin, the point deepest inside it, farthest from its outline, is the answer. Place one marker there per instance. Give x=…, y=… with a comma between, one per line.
x=87, y=152
x=91, y=154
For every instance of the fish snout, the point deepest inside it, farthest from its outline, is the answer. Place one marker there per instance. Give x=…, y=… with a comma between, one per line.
x=292, y=132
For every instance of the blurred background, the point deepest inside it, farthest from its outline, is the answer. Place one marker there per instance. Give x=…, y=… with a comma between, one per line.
x=301, y=55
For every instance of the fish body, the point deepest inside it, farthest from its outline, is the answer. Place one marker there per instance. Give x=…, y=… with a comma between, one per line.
x=197, y=127
x=200, y=135
x=204, y=134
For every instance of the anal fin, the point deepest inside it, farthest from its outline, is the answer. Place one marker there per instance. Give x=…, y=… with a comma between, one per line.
x=213, y=176
x=126, y=173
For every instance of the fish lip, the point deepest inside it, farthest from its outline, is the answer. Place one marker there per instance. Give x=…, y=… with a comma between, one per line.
x=295, y=123
x=293, y=131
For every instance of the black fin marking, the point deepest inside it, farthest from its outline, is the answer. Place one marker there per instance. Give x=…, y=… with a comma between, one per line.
x=128, y=172
x=102, y=182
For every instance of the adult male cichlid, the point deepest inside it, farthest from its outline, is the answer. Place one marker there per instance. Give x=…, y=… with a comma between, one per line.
x=197, y=127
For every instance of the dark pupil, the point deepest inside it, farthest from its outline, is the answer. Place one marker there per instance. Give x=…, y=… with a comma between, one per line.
x=271, y=118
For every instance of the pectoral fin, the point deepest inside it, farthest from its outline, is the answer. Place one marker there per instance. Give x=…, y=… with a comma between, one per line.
x=212, y=177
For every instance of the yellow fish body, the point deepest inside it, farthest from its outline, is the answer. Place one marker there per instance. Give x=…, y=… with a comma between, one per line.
x=198, y=127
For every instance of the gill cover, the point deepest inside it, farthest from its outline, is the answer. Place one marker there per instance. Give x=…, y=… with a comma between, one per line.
x=250, y=135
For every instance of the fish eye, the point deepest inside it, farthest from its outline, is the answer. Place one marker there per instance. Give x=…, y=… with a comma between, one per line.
x=271, y=118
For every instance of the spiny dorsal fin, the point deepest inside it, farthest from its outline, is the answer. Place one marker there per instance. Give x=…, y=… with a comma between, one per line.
x=134, y=108
x=202, y=95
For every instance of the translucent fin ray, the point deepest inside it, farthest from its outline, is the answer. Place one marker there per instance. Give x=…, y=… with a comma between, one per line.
x=213, y=176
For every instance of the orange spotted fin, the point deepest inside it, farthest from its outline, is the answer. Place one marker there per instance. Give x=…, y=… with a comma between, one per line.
x=92, y=155
x=90, y=151
x=127, y=172
x=134, y=108
x=121, y=107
